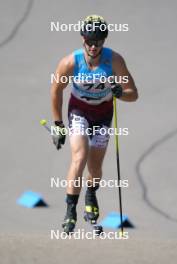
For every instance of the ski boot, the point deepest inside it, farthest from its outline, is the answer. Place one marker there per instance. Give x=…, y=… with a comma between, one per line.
x=91, y=212
x=69, y=225
x=71, y=214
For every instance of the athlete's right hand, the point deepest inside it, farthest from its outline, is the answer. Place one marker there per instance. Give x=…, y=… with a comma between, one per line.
x=60, y=135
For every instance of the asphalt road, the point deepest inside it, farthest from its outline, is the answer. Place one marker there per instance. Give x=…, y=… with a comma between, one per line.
x=29, y=53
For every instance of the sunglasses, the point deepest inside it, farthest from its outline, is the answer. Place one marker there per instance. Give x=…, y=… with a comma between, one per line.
x=96, y=43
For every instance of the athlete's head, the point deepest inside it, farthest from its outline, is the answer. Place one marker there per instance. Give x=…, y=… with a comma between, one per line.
x=94, y=32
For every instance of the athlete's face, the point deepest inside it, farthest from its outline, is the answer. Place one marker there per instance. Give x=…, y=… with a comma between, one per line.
x=93, y=47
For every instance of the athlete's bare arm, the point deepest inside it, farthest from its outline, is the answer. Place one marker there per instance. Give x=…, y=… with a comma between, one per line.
x=64, y=68
x=130, y=92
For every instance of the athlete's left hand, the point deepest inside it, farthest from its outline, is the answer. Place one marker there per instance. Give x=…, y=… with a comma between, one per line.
x=116, y=89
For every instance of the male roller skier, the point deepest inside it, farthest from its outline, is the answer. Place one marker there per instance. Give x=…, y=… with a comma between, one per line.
x=90, y=105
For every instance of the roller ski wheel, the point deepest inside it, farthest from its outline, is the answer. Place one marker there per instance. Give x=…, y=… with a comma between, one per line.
x=98, y=229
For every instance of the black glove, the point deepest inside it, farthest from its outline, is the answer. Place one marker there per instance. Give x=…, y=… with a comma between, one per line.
x=60, y=136
x=116, y=89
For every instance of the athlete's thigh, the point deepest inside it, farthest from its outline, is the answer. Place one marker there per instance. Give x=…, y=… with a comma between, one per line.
x=79, y=146
x=98, y=144
x=78, y=138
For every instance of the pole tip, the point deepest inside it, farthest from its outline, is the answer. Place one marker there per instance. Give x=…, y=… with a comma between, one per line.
x=43, y=122
x=121, y=234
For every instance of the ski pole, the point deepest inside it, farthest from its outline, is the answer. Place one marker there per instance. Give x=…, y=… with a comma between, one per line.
x=118, y=162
